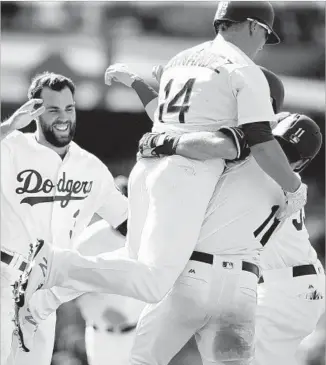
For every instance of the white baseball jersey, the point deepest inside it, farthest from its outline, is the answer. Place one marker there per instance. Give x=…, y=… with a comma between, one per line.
x=43, y=196
x=241, y=220
x=209, y=86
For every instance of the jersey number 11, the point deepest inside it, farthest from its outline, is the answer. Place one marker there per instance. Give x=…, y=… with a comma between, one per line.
x=174, y=105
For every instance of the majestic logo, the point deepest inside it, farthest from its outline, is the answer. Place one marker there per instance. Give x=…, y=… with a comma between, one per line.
x=192, y=271
x=227, y=265
x=295, y=137
x=32, y=182
x=29, y=318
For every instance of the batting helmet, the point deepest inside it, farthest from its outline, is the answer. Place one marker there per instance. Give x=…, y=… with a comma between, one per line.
x=299, y=137
x=276, y=89
x=239, y=11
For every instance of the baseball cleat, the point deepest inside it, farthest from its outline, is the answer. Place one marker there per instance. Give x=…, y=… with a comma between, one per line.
x=31, y=280
x=25, y=327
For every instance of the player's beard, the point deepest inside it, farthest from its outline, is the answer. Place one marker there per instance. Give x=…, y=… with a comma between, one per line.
x=53, y=137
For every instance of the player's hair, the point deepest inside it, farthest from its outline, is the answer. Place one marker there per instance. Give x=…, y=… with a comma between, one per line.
x=222, y=25
x=52, y=80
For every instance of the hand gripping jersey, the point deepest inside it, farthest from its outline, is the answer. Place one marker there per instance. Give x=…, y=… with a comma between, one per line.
x=211, y=85
x=43, y=196
x=241, y=220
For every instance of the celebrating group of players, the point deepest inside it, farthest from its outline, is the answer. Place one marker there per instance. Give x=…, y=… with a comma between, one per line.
x=216, y=242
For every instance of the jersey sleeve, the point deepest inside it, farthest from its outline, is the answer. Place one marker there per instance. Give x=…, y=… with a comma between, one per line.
x=113, y=205
x=251, y=90
x=151, y=107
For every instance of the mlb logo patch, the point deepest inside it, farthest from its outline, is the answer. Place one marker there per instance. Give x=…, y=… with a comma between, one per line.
x=227, y=265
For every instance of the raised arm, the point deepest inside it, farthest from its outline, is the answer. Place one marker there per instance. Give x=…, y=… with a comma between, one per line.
x=255, y=115
x=21, y=117
x=147, y=95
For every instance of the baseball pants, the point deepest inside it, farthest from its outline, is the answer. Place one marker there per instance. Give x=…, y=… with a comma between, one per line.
x=168, y=198
x=288, y=311
x=216, y=302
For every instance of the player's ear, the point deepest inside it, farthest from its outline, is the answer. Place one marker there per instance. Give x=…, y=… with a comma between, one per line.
x=252, y=27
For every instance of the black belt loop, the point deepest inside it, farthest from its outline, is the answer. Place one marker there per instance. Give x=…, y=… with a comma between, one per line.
x=304, y=270
x=301, y=270
x=6, y=258
x=202, y=257
x=248, y=266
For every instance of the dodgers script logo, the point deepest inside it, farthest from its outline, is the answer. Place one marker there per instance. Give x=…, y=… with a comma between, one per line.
x=32, y=182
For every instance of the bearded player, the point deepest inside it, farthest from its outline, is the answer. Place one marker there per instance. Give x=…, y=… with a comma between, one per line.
x=50, y=187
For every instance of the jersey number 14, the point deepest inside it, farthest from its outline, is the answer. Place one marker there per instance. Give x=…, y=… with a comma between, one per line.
x=177, y=104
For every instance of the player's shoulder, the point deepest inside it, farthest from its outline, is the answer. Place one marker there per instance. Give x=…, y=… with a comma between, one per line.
x=18, y=141
x=245, y=75
x=249, y=72
x=14, y=137
x=185, y=54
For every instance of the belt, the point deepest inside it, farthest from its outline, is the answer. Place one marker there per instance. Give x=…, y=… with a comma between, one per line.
x=7, y=258
x=209, y=259
x=301, y=270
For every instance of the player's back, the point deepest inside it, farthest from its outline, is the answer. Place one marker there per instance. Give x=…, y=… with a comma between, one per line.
x=241, y=220
x=239, y=205
x=195, y=88
x=289, y=245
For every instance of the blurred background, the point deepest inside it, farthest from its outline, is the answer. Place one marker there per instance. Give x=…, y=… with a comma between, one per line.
x=81, y=39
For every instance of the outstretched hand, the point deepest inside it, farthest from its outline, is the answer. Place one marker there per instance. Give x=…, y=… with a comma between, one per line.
x=119, y=72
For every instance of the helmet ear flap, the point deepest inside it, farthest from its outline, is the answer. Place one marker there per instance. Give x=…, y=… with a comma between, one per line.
x=305, y=163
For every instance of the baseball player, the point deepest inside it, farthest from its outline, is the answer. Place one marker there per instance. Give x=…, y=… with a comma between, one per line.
x=50, y=187
x=190, y=99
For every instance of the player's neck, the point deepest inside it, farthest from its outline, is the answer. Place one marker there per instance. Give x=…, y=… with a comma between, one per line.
x=237, y=40
x=61, y=151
